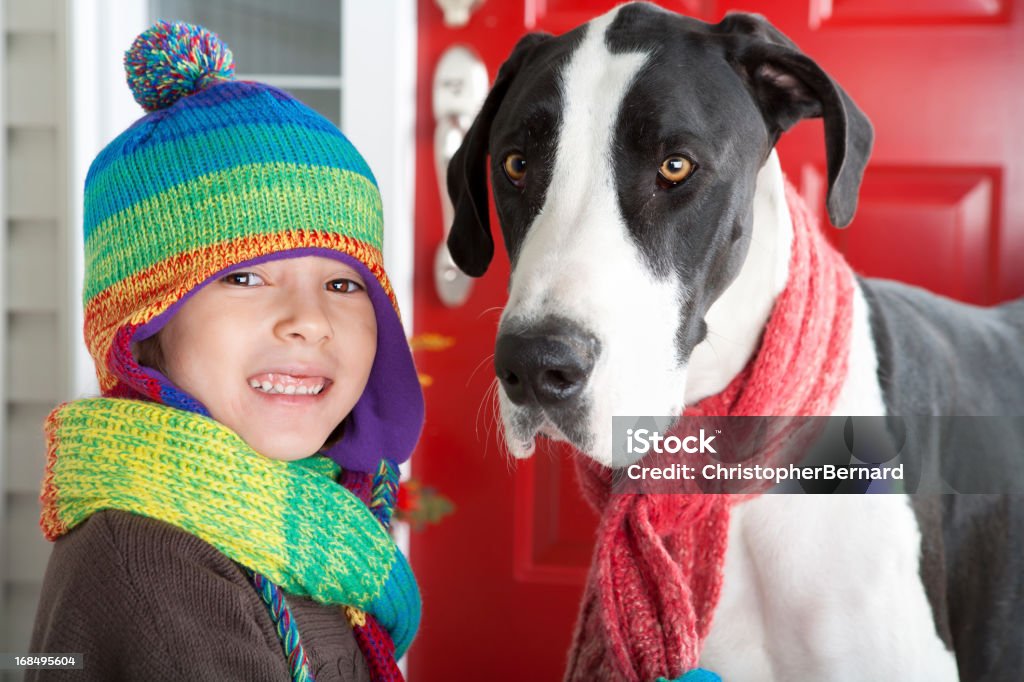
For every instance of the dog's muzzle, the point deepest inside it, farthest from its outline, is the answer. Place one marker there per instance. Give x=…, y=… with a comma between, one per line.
x=547, y=364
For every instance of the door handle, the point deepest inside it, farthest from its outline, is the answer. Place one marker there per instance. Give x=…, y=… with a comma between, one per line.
x=457, y=12
x=460, y=86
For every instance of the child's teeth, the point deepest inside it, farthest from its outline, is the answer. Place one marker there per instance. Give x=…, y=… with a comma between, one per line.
x=289, y=389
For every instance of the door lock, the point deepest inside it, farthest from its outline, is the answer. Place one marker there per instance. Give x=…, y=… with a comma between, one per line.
x=460, y=86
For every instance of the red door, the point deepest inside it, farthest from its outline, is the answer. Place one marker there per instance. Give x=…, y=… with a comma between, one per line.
x=941, y=207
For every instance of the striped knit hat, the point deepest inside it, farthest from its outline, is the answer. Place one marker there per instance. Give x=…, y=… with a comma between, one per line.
x=223, y=173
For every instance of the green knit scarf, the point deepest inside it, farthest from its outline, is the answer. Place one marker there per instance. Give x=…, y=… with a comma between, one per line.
x=290, y=521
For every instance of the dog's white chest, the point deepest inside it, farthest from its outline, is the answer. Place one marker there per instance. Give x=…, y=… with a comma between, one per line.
x=828, y=587
x=825, y=588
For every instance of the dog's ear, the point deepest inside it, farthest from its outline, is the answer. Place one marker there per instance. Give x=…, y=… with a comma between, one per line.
x=470, y=241
x=789, y=86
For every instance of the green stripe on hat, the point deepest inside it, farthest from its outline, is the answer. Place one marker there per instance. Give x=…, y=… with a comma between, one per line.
x=154, y=168
x=254, y=199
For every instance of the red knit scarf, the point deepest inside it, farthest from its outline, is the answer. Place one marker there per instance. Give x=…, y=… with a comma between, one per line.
x=657, y=569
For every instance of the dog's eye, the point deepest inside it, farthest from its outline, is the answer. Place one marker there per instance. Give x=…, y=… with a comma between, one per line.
x=515, y=168
x=674, y=170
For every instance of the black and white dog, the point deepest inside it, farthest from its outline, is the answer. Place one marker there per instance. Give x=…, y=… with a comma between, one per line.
x=642, y=204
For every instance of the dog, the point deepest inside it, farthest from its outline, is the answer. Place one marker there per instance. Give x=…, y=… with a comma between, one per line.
x=642, y=206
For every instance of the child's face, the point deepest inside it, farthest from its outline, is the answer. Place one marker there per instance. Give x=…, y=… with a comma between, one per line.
x=279, y=352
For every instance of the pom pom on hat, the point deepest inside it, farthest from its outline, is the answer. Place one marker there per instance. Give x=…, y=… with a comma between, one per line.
x=171, y=60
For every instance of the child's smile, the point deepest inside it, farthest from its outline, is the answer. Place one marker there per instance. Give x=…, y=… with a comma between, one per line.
x=279, y=351
x=278, y=383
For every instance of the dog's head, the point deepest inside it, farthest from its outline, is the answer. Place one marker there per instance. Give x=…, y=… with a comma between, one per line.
x=624, y=158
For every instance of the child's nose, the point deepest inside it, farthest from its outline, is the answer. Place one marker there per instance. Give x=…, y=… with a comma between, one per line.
x=303, y=318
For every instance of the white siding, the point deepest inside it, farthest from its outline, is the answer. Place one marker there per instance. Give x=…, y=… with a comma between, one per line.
x=4, y=475
x=35, y=335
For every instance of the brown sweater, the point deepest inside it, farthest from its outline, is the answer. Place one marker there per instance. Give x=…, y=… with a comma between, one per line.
x=143, y=600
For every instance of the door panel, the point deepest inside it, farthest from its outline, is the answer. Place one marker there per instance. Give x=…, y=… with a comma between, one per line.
x=877, y=12
x=940, y=80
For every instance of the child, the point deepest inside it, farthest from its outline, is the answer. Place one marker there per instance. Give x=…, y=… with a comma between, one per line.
x=222, y=511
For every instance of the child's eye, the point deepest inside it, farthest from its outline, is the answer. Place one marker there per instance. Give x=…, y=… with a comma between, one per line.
x=243, y=279
x=344, y=286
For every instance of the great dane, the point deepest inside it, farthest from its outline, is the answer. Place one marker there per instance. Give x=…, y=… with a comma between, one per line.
x=642, y=205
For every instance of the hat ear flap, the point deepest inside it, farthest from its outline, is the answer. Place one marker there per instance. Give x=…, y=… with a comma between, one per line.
x=789, y=86
x=470, y=241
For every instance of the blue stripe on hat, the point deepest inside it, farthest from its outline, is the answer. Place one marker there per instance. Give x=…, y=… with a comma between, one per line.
x=223, y=111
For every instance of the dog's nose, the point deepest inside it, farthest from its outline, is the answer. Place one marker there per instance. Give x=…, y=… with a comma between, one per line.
x=548, y=363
